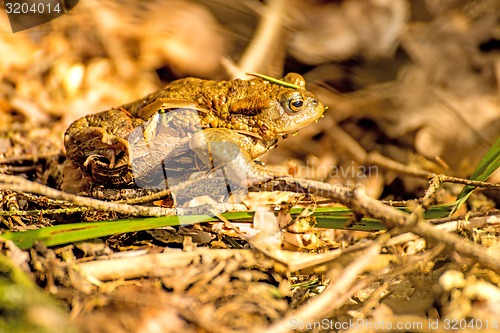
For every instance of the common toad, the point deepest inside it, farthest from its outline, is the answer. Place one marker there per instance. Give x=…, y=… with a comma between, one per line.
x=189, y=124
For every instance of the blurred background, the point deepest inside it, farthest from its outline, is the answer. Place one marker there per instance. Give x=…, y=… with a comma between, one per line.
x=415, y=80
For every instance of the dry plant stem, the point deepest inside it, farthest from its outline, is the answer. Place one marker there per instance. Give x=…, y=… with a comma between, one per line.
x=361, y=203
x=385, y=162
x=161, y=194
x=146, y=198
x=149, y=264
x=474, y=223
x=344, y=141
x=267, y=33
x=465, y=216
x=19, y=184
x=30, y=158
x=9, y=169
x=88, y=202
x=336, y=302
x=434, y=185
x=303, y=262
x=450, y=226
x=412, y=264
x=70, y=210
x=476, y=183
x=328, y=301
x=355, y=199
x=463, y=246
x=377, y=159
x=43, y=200
x=231, y=226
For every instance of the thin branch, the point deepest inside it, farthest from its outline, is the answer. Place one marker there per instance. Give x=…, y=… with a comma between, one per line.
x=38, y=212
x=377, y=159
x=465, y=216
x=264, y=40
x=333, y=297
x=136, y=263
x=19, y=184
x=32, y=159
x=355, y=199
x=476, y=183
x=361, y=203
x=385, y=162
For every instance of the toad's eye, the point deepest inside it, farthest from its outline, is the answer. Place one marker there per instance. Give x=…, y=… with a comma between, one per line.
x=296, y=104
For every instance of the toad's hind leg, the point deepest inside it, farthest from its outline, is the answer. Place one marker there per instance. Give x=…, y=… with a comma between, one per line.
x=97, y=145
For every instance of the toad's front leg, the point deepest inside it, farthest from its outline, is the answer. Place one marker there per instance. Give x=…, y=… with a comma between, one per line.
x=232, y=152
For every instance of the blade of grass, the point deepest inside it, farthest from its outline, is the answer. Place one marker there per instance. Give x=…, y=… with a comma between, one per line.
x=326, y=217
x=75, y=232
x=273, y=80
x=488, y=165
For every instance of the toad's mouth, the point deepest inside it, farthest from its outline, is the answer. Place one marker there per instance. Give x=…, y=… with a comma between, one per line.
x=303, y=123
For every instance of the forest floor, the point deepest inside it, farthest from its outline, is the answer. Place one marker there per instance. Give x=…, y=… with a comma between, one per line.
x=361, y=241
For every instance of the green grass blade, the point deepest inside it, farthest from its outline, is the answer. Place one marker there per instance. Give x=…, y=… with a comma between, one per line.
x=326, y=217
x=488, y=165
x=75, y=232
x=274, y=80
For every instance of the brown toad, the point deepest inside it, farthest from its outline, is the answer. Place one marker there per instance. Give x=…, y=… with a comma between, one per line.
x=190, y=124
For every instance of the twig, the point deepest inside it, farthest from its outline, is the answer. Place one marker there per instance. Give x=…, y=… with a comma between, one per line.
x=405, y=266
x=28, y=158
x=361, y=203
x=385, y=162
x=19, y=184
x=476, y=183
x=17, y=168
x=434, y=185
x=265, y=39
x=333, y=297
x=465, y=216
x=355, y=199
x=448, y=225
x=305, y=261
x=377, y=159
x=140, y=264
x=147, y=198
x=35, y=212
